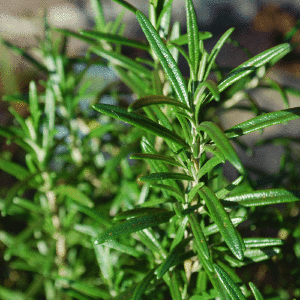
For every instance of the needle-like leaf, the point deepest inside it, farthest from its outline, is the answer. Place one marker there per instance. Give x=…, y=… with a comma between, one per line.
x=265, y=197
x=228, y=283
x=222, y=142
x=165, y=176
x=166, y=59
x=140, y=122
x=222, y=220
x=193, y=35
x=133, y=225
x=155, y=100
x=263, y=121
x=252, y=64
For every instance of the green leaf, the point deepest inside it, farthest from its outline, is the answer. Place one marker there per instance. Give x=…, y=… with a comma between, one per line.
x=20, y=187
x=194, y=191
x=174, y=191
x=171, y=259
x=262, y=242
x=133, y=81
x=175, y=34
x=256, y=292
x=208, y=166
x=126, y=5
x=122, y=61
x=137, y=212
x=225, y=191
x=124, y=248
x=193, y=36
x=155, y=100
x=27, y=56
x=228, y=283
x=34, y=105
x=165, y=176
x=98, y=14
x=215, y=51
x=211, y=86
x=165, y=159
x=265, y=197
x=74, y=34
x=143, y=285
x=9, y=294
x=222, y=142
x=74, y=194
x=133, y=225
x=183, y=39
x=275, y=86
x=13, y=169
x=94, y=215
x=213, y=228
x=87, y=289
x=28, y=205
x=140, y=122
x=256, y=255
x=166, y=59
x=117, y=39
x=252, y=64
x=200, y=240
x=263, y=121
x=222, y=220
x=181, y=229
x=76, y=295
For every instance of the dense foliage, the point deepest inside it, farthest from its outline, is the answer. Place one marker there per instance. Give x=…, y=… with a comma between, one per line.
x=104, y=210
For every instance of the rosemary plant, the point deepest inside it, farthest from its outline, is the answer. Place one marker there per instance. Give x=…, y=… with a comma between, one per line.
x=166, y=223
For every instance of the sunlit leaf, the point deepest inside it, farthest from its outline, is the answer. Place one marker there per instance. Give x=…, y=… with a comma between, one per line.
x=262, y=242
x=252, y=64
x=263, y=121
x=193, y=35
x=166, y=59
x=256, y=255
x=265, y=197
